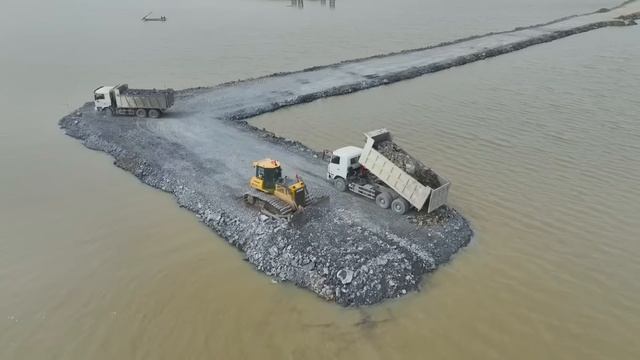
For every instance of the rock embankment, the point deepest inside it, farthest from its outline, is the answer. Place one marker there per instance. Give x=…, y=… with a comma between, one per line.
x=345, y=249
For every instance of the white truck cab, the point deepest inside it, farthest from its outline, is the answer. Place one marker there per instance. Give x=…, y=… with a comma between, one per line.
x=102, y=98
x=344, y=162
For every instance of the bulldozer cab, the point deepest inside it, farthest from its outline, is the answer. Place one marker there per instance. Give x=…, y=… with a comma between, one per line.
x=268, y=174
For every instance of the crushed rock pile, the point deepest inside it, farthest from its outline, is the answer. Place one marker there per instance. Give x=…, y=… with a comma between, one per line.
x=408, y=163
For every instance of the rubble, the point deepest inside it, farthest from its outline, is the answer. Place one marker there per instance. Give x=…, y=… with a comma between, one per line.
x=345, y=276
x=408, y=163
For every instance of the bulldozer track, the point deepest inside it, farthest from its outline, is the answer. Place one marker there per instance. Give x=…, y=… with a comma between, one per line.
x=268, y=203
x=276, y=208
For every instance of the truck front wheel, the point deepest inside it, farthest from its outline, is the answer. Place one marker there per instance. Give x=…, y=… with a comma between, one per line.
x=340, y=184
x=154, y=113
x=383, y=200
x=141, y=113
x=399, y=206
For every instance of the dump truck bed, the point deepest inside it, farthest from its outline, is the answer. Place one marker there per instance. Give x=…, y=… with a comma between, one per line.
x=142, y=98
x=407, y=186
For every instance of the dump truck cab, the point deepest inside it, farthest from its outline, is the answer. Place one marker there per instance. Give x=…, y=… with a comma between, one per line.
x=344, y=162
x=102, y=97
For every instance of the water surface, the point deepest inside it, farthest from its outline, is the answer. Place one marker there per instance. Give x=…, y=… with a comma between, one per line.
x=541, y=146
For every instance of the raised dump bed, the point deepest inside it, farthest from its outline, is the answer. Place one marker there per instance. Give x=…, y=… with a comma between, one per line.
x=407, y=176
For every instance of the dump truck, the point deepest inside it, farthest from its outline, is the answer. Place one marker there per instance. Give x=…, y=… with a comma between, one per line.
x=121, y=100
x=374, y=171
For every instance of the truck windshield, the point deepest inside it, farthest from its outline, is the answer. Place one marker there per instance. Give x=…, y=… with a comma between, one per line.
x=99, y=96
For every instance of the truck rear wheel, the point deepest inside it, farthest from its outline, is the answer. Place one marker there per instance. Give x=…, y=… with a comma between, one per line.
x=400, y=206
x=340, y=184
x=154, y=113
x=141, y=113
x=383, y=200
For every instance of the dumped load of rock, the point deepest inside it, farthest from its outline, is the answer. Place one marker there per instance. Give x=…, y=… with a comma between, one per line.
x=408, y=163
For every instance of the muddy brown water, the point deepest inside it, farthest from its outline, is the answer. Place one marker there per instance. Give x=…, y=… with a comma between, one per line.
x=542, y=147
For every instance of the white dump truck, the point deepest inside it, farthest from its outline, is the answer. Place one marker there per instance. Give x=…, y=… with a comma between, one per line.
x=121, y=100
x=367, y=172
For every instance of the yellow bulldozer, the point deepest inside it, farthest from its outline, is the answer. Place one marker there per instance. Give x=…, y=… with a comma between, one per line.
x=275, y=195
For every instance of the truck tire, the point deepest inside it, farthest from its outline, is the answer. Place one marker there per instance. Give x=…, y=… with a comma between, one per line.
x=400, y=206
x=141, y=113
x=340, y=184
x=154, y=113
x=383, y=200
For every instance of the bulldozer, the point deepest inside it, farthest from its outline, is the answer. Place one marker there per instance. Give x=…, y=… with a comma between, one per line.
x=275, y=195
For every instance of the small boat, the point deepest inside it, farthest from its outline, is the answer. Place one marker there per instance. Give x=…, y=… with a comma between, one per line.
x=147, y=18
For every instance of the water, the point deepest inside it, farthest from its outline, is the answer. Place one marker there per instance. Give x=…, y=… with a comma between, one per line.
x=541, y=146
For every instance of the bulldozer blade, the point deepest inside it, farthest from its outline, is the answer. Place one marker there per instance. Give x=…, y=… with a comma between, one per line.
x=287, y=217
x=314, y=199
